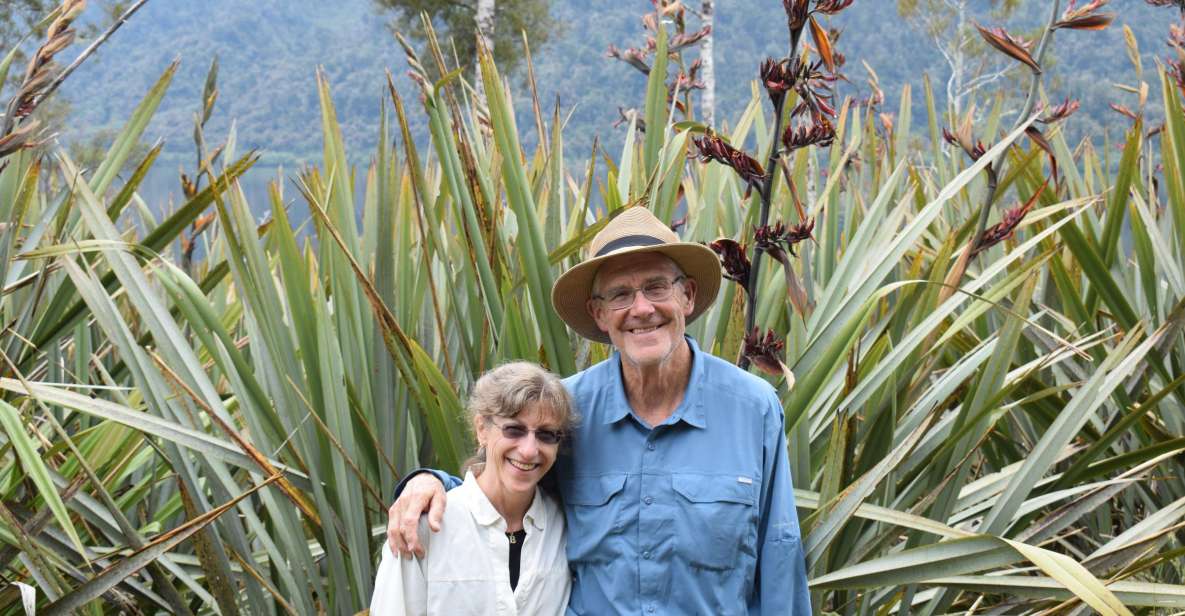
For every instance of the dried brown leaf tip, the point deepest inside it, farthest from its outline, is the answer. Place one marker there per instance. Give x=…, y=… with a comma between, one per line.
x=1061, y=112
x=1180, y=4
x=814, y=88
x=1085, y=17
x=1001, y=230
x=974, y=149
x=188, y=186
x=24, y=136
x=1176, y=70
x=818, y=132
x=823, y=44
x=797, y=12
x=199, y=226
x=712, y=147
x=632, y=56
x=682, y=41
x=1120, y=109
x=1177, y=37
x=688, y=80
x=777, y=79
x=771, y=238
x=831, y=7
x=1011, y=46
x=1006, y=228
x=733, y=260
x=1039, y=138
x=765, y=351
x=42, y=69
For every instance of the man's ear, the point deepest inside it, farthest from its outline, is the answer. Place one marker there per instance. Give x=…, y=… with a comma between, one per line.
x=593, y=308
x=689, y=289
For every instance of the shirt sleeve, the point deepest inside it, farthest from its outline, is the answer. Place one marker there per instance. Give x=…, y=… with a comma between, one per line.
x=448, y=480
x=400, y=588
x=781, y=585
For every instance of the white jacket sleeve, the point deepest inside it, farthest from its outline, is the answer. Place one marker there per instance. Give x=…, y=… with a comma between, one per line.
x=400, y=588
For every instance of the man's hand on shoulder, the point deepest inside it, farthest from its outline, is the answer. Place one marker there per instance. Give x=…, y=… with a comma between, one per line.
x=422, y=493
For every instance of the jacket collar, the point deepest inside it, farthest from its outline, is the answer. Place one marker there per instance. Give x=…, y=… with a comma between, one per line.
x=486, y=515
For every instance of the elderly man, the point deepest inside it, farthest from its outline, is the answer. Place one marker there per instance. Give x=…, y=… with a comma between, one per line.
x=677, y=489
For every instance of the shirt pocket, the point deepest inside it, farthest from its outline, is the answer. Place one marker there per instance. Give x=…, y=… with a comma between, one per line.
x=595, y=516
x=716, y=522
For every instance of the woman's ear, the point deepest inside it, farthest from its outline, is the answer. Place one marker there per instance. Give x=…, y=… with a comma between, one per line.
x=478, y=424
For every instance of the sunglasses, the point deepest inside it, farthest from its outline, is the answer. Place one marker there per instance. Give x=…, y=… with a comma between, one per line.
x=514, y=432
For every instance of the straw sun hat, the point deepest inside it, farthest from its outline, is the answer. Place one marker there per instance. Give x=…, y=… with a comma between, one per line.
x=634, y=231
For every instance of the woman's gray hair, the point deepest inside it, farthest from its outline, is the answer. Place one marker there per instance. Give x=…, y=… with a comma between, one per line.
x=509, y=389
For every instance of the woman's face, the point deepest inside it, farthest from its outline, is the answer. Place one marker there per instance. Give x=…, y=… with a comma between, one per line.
x=516, y=457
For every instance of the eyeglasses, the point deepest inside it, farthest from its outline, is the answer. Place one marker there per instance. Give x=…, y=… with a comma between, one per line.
x=656, y=290
x=513, y=431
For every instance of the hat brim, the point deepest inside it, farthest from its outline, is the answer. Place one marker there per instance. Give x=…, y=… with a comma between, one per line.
x=573, y=288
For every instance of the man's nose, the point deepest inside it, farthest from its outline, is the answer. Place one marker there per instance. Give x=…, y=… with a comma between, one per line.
x=641, y=305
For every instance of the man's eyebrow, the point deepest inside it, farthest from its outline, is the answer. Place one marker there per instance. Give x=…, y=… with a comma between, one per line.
x=655, y=278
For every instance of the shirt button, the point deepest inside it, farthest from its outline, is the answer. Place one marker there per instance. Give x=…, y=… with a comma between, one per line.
x=648, y=500
x=650, y=608
x=650, y=446
x=646, y=555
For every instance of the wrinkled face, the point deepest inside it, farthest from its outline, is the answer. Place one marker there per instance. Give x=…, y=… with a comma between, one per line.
x=646, y=333
x=515, y=465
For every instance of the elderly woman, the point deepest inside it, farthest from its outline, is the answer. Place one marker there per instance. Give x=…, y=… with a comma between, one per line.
x=501, y=550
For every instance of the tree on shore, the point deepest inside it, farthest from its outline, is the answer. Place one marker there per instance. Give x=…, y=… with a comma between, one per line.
x=707, y=103
x=500, y=23
x=949, y=25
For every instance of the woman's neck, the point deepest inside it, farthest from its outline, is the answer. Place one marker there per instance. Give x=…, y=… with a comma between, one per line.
x=512, y=506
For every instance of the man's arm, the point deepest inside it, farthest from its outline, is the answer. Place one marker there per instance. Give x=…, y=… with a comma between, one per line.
x=421, y=491
x=400, y=588
x=781, y=585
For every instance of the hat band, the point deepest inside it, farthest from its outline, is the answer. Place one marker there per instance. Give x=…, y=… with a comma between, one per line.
x=628, y=241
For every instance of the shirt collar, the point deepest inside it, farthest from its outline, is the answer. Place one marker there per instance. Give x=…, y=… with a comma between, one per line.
x=690, y=411
x=486, y=515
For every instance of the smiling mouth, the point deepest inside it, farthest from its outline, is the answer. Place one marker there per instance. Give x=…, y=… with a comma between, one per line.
x=644, y=330
x=522, y=466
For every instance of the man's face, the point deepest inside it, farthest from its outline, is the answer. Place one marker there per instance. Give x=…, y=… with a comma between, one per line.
x=646, y=332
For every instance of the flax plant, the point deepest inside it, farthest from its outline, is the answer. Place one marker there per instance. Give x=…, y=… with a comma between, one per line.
x=202, y=413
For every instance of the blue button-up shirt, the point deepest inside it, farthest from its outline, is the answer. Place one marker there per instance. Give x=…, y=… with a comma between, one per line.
x=692, y=516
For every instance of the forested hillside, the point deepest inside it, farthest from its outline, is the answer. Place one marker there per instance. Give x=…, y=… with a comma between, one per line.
x=269, y=51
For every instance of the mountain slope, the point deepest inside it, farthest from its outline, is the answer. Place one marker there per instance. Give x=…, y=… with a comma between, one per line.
x=269, y=51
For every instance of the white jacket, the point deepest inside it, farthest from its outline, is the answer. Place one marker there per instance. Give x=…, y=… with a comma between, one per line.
x=466, y=570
